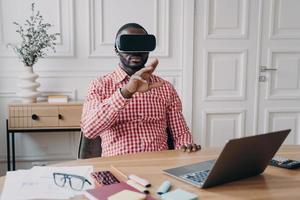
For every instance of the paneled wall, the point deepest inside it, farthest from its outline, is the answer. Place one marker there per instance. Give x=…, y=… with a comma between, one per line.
x=85, y=50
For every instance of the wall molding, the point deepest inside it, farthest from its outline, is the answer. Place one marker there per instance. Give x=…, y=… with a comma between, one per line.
x=240, y=34
x=274, y=29
x=271, y=52
x=71, y=93
x=71, y=153
x=241, y=88
x=79, y=73
x=50, y=156
x=188, y=9
x=241, y=113
x=62, y=50
x=269, y=111
x=4, y=94
x=106, y=49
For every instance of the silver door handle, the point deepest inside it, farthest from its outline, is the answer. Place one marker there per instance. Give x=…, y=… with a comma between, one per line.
x=264, y=68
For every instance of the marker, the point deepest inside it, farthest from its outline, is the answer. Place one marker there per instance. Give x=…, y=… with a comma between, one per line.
x=137, y=186
x=139, y=180
x=133, y=177
x=164, y=187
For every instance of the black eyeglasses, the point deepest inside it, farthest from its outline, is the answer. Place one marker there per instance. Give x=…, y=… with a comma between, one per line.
x=76, y=182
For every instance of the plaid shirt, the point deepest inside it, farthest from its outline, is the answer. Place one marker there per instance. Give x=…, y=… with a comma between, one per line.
x=132, y=125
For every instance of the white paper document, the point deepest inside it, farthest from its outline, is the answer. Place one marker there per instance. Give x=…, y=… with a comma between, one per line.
x=38, y=183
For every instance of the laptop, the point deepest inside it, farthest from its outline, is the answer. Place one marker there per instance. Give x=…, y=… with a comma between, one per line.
x=240, y=158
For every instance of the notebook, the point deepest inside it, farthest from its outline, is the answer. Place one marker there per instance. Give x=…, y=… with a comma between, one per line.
x=102, y=193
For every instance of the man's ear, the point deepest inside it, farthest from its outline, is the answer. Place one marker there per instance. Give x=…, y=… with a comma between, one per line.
x=116, y=51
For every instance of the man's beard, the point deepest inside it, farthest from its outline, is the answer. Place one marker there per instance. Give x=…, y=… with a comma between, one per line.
x=136, y=67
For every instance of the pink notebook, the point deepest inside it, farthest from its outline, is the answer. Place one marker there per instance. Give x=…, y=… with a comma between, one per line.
x=102, y=193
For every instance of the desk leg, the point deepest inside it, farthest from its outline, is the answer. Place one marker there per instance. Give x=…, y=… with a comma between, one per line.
x=8, y=147
x=13, y=151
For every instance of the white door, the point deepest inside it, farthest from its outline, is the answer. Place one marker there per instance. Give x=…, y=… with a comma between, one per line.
x=279, y=93
x=246, y=69
x=225, y=60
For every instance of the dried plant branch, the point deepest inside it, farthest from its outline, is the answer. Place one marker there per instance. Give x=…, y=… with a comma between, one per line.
x=35, y=38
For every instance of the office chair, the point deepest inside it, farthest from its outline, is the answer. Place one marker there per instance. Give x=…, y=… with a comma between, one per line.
x=90, y=148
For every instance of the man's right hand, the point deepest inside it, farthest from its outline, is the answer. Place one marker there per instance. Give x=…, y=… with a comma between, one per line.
x=139, y=81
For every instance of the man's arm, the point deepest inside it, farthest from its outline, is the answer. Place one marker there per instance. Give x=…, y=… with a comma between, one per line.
x=99, y=113
x=176, y=122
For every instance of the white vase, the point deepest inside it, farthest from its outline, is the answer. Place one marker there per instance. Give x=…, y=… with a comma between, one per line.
x=28, y=86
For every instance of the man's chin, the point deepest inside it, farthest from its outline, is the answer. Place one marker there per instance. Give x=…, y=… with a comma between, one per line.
x=137, y=66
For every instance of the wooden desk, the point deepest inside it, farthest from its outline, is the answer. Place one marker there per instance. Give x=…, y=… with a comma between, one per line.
x=39, y=117
x=274, y=183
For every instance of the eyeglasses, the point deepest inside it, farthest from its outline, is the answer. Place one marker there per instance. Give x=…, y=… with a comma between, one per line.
x=76, y=182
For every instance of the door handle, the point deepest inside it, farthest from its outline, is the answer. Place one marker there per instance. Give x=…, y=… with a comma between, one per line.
x=264, y=69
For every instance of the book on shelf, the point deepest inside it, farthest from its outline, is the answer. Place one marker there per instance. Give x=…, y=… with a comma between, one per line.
x=57, y=99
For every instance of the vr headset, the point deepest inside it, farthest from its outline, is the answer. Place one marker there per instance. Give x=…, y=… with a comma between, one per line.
x=135, y=43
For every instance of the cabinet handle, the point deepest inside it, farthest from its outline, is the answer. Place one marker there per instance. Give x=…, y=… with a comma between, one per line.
x=34, y=117
x=60, y=116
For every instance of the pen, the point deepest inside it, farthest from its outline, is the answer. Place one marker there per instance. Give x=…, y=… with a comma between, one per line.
x=133, y=177
x=119, y=172
x=139, y=180
x=137, y=186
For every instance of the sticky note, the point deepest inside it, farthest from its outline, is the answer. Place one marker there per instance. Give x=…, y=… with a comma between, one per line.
x=179, y=194
x=127, y=195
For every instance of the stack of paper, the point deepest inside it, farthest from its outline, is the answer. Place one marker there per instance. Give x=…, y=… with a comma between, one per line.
x=38, y=183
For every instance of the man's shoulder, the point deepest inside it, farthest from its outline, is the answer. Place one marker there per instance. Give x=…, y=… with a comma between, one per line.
x=160, y=79
x=157, y=78
x=102, y=79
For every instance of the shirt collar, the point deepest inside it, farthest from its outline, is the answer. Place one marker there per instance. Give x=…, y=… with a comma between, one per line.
x=120, y=74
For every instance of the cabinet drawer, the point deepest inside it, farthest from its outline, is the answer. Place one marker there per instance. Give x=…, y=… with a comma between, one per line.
x=44, y=115
x=45, y=122
x=70, y=116
x=45, y=111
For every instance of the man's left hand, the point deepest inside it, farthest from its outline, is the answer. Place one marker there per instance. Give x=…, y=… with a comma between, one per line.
x=190, y=147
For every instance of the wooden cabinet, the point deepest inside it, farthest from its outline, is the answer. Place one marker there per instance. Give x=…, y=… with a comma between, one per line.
x=39, y=117
x=44, y=115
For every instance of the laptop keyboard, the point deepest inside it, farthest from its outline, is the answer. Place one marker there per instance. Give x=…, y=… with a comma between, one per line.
x=196, y=177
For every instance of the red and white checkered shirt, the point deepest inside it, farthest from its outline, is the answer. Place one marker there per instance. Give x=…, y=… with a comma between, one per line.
x=132, y=125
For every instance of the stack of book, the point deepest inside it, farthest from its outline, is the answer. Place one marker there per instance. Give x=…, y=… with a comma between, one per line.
x=57, y=99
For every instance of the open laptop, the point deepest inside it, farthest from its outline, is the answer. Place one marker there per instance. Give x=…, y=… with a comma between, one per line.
x=240, y=158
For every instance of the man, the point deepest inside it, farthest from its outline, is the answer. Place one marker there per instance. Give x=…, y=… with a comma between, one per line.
x=130, y=108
